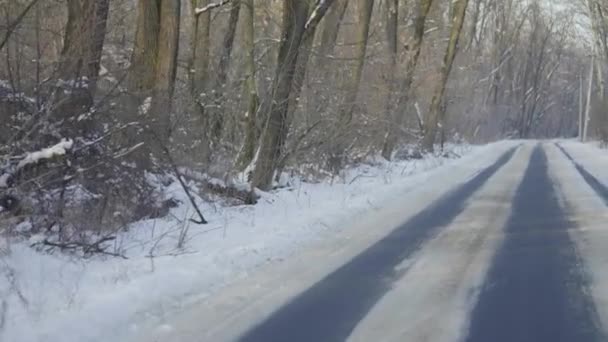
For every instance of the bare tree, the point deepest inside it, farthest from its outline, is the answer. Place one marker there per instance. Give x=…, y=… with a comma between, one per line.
x=331, y=27
x=433, y=115
x=250, y=120
x=413, y=54
x=81, y=55
x=295, y=15
x=364, y=10
x=222, y=72
x=298, y=27
x=198, y=64
x=154, y=61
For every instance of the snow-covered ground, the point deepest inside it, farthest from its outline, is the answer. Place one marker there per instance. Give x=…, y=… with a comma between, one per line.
x=61, y=298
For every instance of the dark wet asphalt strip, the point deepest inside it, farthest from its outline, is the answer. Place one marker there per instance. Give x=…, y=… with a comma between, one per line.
x=536, y=289
x=329, y=310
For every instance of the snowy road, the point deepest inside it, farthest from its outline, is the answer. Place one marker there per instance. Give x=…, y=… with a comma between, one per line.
x=515, y=252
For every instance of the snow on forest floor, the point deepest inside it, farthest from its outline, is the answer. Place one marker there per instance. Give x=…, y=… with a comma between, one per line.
x=63, y=298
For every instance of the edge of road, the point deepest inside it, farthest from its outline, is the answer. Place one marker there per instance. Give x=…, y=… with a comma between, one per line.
x=598, y=187
x=587, y=206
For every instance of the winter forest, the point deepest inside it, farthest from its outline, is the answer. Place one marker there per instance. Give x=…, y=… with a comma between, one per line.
x=114, y=114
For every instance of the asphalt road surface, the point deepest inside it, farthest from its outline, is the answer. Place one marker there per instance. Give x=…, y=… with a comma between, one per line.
x=513, y=253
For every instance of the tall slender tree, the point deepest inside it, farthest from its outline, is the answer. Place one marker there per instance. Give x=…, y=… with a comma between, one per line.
x=434, y=113
x=298, y=27
x=331, y=27
x=295, y=15
x=198, y=64
x=413, y=54
x=364, y=16
x=250, y=120
x=154, y=60
x=222, y=72
x=81, y=54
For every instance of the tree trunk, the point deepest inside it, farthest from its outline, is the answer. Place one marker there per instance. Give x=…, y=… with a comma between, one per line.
x=413, y=55
x=295, y=15
x=222, y=73
x=581, y=109
x=474, y=23
x=298, y=35
x=599, y=65
x=598, y=26
x=460, y=8
x=365, y=8
x=198, y=65
x=142, y=75
x=324, y=64
x=251, y=131
x=300, y=76
x=588, y=107
x=348, y=105
x=392, y=23
x=166, y=66
x=301, y=69
x=153, y=70
x=80, y=58
x=331, y=27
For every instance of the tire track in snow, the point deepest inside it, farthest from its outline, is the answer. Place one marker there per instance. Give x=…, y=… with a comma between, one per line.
x=433, y=299
x=587, y=206
x=330, y=309
x=600, y=189
x=535, y=289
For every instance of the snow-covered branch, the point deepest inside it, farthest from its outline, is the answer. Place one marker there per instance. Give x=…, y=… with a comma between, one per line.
x=199, y=11
x=317, y=14
x=59, y=149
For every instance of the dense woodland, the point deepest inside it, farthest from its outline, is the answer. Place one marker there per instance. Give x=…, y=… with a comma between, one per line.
x=103, y=102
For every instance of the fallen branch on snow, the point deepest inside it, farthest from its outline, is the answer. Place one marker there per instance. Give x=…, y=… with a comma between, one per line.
x=87, y=249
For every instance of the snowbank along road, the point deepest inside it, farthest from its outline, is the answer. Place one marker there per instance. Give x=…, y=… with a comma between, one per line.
x=515, y=251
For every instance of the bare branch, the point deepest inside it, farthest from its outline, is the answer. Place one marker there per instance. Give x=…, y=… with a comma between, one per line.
x=199, y=11
x=88, y=249
x=12, y=26
x=315, y=17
